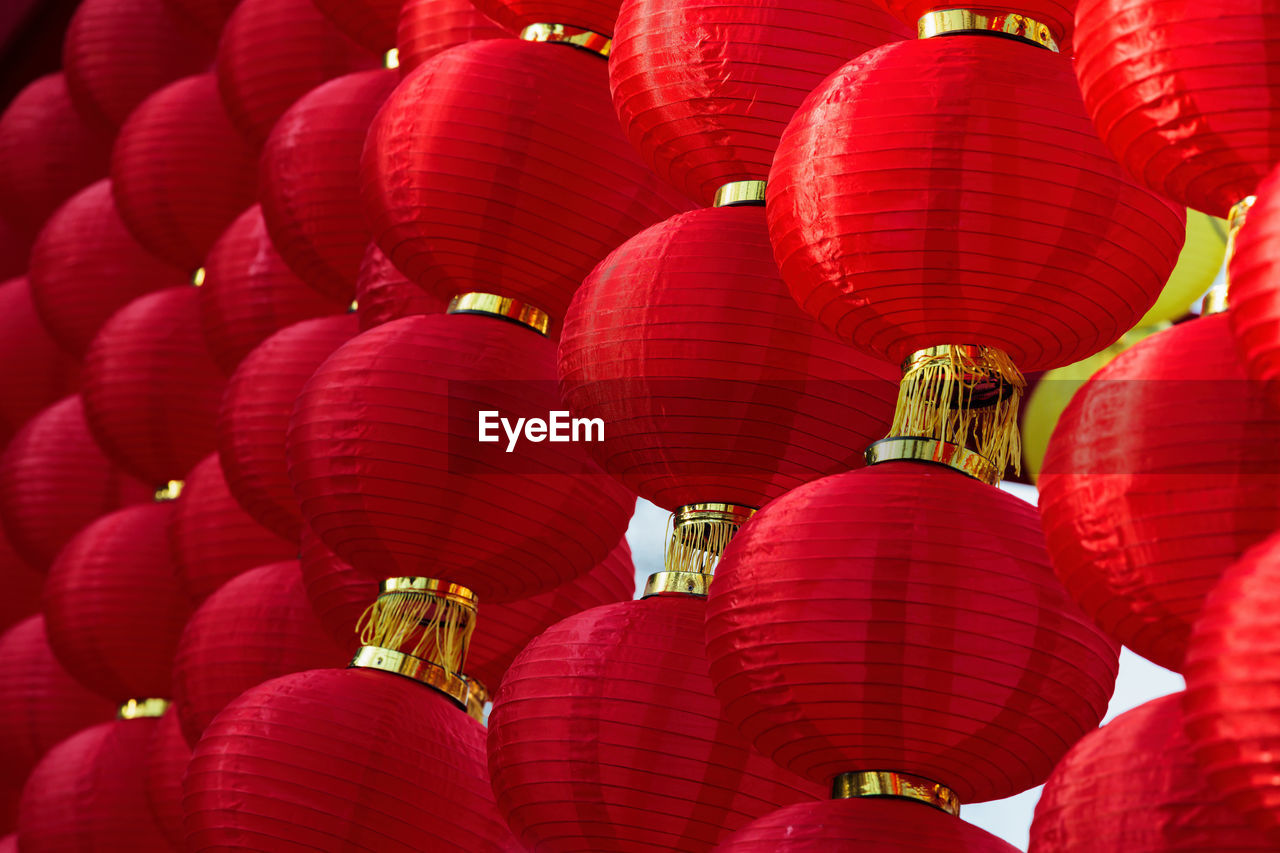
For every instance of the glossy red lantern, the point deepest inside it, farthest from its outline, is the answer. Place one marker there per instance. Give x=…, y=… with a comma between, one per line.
x=151, y=390
x=595, y=15
x=904, y=617
x=22, y=586
x=213, y=539
x=372, y=23
x=167, y=760
x=34, y=372
x=209, y=15
x=113, y=607
x=54, y=480
x=428, y=27
x=1056, y=15
x=254, y=418
x=1049, y=253
x=499, y=167
x=383, y=293
x=704, y=90
x=1134, y=785
x=1161, y=472
x=1255, y=299
x=180, y=173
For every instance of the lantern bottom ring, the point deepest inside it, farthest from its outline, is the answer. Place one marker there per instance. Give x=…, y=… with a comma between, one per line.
x=1008, y=24
x=677, y=583
x=142, y=709
x=578, y=37
x=740, y=194
x=918, y=449
x=885, y=783
x=170, y=491
x=502, y=307
x=423, y=671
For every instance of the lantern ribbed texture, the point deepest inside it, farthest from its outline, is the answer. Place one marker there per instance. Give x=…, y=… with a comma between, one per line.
x=167, y=759
x=22, y=586
x=209, y=15
x=151, y=389
x=310, y=180
x=351, y=758
x=1017, y=231
x=86, y=265
x=607, y=736
x=499, y=167
x=1161, y=472
x=371, y=23
x=704, y=89
x=428, y=27
x=712, y=384
x=384, y=294
x=1058, y=14
x=904, y=617
x=1255, y=298
x=54, y=480
x=35, y=371
x=1133, y=785
x=113, y=607
x=257, y=627
x=213, y=538
x=180, y=173
x=254, y=419
x=1184, y=93
x=598, y=16
x=384, y=458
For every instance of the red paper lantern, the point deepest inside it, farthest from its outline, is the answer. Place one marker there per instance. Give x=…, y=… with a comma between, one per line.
x=254, y=419
x=1161, y=472
x=54, y=480
x=1184, y=94
x=1056, y=15
x=428, y=27
x=597, y=16
x=33, y=371
x=22, y=587
x=151, y=390
x=499, y=167
x=410, y=770
x=1255, y=299
x=180, y=173
x=167, y=760
x=383, y=293
x=86, y=265
x=213, y=539
x=9, y=844
x=15, y=245
x=384, y=457
x=1134, y=785
x=372, y=23
x=904, y=618
x=209, y=15
x=704, y=90
x=113, y=607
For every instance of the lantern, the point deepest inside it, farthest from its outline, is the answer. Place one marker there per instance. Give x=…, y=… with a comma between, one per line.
x=595, y=16
x=428, y=27
x=167, y=759
x=22, y=585
x=14, y=246
x=383, y=293
x=1198, y=264
x=372, y=23
x=1049, y=19
x=35, y=372
x=209, y=15
x=1254, y=297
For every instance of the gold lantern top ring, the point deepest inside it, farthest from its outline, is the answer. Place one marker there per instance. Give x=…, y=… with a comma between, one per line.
x=457, y=593
x=696, y=584
x=1011, y=24
x=713, y=512
x=503, y=307
x=885, y=783
x=142, y=709
x=740, y=194
x=577, y=37
x=919, y=449
x=423, y=671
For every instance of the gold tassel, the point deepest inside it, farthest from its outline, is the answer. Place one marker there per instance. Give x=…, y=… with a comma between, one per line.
x=699, y=535
x=422, y=618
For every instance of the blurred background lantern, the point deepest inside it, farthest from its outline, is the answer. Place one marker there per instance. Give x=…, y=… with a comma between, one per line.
x=1198, y=264
x=371, y=23
x=209, y=15
x=428, y=27
x=383, y=293
x=167, y=759
x=598, y=16
x=36, y=372
x=23, y=586
x=14, y=245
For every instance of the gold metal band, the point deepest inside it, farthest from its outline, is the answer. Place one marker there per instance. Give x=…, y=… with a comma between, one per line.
x=422, y=671
x=566, y=34
x=900, y=447
x=677, y=583
x=1009, y=24
x=197, y=277
x=695, y=513
x=501, y=306
x=1218, y=299
x=884, y=783
x=477, y=695
x=169, y=491
x=141, y=709
x=454, y=592
x=739, y=193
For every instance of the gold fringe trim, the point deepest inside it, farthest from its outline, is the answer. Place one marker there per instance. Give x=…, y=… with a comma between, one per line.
x=420, y=624
x=699, y=535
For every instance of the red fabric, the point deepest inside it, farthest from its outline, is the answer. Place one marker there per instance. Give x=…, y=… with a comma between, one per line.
x=180, y=173
x=1162, y=471
x=925, y=195
x=607, y=736
x=9, y=844
x=113, y=607
x=257, y=627
x=86, y=265
x=1255, y=297
x=254, y=419
x=22, y=587
x=1185, y=93
x=310, y=179
x=33, y=371
x=1058, y=14
x=15, y=244
x=384, y=294
x=89, y=793
x=349, y=759
x=54, y=480
x=428, y=27
x=711, y=383
x=117, y=52
x=167, y=758
x=384, y=457
x=273, y=52
x=213, y=539
x=209, y=15
x=151, y=390
x=1133, y=785
x=704, y=89
x=904, y=617
x=595, y=15
x=371, y=23
x=499, y=167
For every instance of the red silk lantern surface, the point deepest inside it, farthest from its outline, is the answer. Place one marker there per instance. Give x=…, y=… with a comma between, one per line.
x=410, y=770
x=383, y=293
x=310, y=179
x=22, y=585
x=167, y=759
x=180, y=173
x=86, y=265
x=384, y=457
x=712, y=384
x=151, y=390
x=9, y=844
x=1048, y=253
x=1161, y=472
x=34, y=372
x=499, y=167
x=1057, y=14
x=54, y=480
x=1255, y=298
x=371, y=23
x=209, y=15
x=254, y=419
x=598, y=16
x=607, y=736
x=1184, y=93
x=1133, y=785
x=213, y=539
x=428, y=27
x=704, y=89
x=113, y=606
x=15, y=244
x=904, y=617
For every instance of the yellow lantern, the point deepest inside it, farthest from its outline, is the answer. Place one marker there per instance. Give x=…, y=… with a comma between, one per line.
x=1197, y=267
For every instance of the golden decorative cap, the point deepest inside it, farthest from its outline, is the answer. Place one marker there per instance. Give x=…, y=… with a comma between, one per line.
x=1010, y=24
x=740, y=194
x=477, y=696
x=169, y=491
x=570, y=35
x=454, y=592
x=900, y=447
x=142, y=709
x=884, y=783
x=501, y=306
x=677, y=583
x=423, y=671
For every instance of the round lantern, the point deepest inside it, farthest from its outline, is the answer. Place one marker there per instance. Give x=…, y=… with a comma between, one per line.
x=254, y=419
x=428, y=27
x=180, y=173
x=151, y=390
x=213, y=539
x=1162, y=471
x=86, y=265
x=372, y=23
x=22, y=585
x=54, y=480
x=1198, y=264
x=35, y=371
x=1133, y=785
x=9, y=843
x=167, y=760
x=1051, y=21
x=209, y=15
x=383, y=293
x=15, y=244
x=1254, y=296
